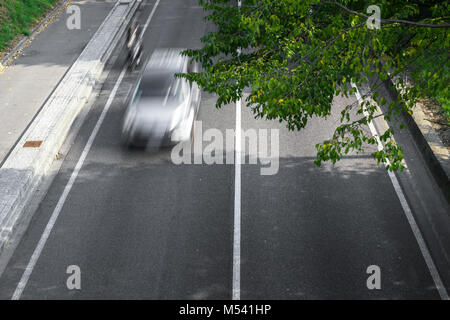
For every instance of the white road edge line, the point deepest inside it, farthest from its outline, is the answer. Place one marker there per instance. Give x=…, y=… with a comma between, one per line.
x=236, y=290
x=48, y=229
x=412, y=222
x=237, y=208
x=42, y=241
x=149, y=19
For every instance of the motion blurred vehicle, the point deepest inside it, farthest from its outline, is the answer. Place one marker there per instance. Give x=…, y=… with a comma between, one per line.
x=162, y=108
x=134, y=45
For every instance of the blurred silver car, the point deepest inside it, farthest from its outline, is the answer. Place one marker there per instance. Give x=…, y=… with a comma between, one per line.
x=161, y=109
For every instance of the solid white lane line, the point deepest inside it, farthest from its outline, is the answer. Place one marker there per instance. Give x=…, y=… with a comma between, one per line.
x=237, y=208
x=412, y=222
x=149, y=19
x=236, y=292
x=48, y=229
x=38, y=250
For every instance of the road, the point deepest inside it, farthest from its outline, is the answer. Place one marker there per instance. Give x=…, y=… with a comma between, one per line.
x=140, y=227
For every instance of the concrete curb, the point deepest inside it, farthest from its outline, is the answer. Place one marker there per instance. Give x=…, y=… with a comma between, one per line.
x=429, y=143
x=6, y=61
x=25, y=167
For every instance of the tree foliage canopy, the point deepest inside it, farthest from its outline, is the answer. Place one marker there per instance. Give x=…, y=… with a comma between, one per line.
x=298, y=54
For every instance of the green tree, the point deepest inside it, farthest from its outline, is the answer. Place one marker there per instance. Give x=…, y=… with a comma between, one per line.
x=298, y=54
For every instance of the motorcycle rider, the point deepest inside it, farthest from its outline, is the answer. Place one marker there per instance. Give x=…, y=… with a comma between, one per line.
x=134, y=44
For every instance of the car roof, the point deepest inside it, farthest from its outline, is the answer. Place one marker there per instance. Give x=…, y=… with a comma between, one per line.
x=166, y=60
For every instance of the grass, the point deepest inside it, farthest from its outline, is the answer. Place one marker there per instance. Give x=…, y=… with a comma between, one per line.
x=18, y=16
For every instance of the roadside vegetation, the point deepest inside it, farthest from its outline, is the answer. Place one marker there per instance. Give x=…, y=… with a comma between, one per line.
x=17, y=17
x=439, y=95
x=436, y=102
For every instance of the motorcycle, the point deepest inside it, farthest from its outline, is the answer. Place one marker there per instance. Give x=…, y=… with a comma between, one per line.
x=134, y=45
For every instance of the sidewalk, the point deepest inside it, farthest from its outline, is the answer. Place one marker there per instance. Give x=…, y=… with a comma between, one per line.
x=29, y=81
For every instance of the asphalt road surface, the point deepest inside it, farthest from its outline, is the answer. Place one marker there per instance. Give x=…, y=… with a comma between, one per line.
x=139, y=226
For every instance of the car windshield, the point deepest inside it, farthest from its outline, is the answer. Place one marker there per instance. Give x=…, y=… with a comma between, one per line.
x=158, y=85
x=161, y=86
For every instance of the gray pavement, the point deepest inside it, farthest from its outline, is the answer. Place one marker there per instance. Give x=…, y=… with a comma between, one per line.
x=139, y=226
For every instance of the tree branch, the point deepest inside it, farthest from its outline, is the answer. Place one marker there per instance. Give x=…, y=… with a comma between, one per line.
x=384, y=21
